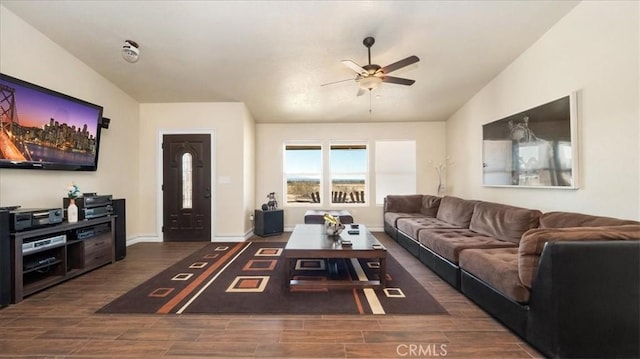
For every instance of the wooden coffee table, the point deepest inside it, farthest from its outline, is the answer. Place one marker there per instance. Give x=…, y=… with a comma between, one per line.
x=309, y=241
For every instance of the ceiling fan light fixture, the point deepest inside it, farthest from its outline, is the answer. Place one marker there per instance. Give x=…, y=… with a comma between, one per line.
x=370, y=83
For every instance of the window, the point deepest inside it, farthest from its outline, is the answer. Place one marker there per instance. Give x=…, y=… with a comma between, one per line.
x=345, y=181
x=349, y=172
x=187, y=181
x=303, y=173
x=395, y=168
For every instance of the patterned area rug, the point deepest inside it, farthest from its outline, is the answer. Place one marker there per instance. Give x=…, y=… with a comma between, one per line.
x=248, y=278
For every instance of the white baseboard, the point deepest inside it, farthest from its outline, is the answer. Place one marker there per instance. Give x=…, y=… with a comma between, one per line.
x=142, y=239
x=156, y=239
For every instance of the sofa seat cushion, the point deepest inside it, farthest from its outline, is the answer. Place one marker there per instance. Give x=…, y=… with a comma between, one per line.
x=392, y=217
x=569, y=219
x=533, y=242
x=412, y=226
x=448, y=243
x=498, y=268
x=456, y=211
x=504, y=222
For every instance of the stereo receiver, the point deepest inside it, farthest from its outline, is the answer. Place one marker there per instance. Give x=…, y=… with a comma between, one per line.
x=92, y=206
x=28, y=218
x=89, y=232
x=38, y=244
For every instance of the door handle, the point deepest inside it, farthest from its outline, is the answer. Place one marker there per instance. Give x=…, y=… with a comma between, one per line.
x=207, y=193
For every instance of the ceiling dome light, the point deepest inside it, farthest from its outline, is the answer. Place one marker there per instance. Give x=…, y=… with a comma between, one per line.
x=370, y=83
x=130, y=51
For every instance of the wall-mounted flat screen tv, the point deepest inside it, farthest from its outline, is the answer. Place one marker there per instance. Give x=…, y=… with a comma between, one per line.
x=45, y=129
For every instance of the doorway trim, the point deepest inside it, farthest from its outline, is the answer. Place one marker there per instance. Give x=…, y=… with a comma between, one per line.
x=159, y=196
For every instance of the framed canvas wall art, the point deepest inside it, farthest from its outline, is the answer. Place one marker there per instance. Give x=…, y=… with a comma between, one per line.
x=535, y=148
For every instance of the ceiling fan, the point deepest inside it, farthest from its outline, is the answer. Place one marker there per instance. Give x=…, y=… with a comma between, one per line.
x=370, y=76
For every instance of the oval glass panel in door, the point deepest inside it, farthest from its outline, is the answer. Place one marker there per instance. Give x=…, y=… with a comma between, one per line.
x=187, y=181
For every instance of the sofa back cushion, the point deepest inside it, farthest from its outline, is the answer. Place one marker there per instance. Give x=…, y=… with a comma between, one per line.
x=533, y=242
x=403, y=203
x=456, y=211
x=430, y=205
x=503, y=222
x=569, y=219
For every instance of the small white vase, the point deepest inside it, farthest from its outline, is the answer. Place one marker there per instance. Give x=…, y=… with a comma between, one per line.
x=72, y=211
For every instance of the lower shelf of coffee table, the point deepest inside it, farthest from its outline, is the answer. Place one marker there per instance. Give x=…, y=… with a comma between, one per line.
x=333, y=284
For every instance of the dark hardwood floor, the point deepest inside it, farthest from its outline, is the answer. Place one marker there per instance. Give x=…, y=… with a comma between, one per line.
x=60, y=322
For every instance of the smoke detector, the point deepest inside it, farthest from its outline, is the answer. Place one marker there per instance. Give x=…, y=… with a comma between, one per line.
x=130, y=51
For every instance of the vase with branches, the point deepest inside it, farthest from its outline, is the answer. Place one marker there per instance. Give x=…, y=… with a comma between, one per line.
x=441, y=170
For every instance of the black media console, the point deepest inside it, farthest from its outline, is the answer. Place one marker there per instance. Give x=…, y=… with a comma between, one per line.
x=5, y=259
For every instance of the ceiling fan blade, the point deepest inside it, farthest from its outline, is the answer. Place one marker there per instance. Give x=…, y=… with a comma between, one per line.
x=400, y=64
x=355, y=67
x=361, y=92
x=397, y=80
x=337, y=82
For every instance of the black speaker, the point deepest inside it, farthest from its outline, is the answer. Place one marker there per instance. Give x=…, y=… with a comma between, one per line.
x=268, y=223
x=105, y=123
x=5, y=260
x=119, y=209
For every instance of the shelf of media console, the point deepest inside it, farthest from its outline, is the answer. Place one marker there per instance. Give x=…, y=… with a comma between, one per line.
x=43, y=267
x=62, y=266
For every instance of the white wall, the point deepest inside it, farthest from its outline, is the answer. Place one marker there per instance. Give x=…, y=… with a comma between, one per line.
x=270, y=138
x=593, y=50
x=228, y=123
x=249, y=154
x=27, y=54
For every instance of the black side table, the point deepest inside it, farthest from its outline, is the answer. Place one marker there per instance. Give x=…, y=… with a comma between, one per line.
x=268, y=223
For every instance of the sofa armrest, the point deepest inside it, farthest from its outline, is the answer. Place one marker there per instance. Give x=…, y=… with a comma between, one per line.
x=585, y=299
x=534, y=240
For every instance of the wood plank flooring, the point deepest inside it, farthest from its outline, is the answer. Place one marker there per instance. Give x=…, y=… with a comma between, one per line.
x=60, y=322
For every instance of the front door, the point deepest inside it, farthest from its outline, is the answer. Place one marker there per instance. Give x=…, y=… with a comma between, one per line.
x=186, y=172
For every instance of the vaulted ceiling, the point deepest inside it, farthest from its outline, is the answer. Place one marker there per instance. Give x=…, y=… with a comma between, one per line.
x=275, y=55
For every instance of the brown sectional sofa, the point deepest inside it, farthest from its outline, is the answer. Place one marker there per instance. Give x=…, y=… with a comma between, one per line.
x=568, y=283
